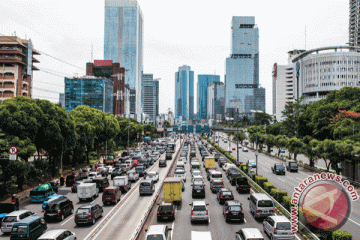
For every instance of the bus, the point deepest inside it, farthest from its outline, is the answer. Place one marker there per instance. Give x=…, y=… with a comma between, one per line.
x=170, y=147
x=40, y=193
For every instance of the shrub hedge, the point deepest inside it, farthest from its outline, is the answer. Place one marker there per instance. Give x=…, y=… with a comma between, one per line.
x=286, y=202
x=268, y=186
x=274, y=191
x=341, y=235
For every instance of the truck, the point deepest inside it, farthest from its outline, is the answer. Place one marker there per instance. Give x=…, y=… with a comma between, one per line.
x=122, y=182
x=86, y=191
x=173, y=190
x=209, y=161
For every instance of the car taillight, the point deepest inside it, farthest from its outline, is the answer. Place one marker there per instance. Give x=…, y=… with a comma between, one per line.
x=275, y=231
x=158, y=212
x=59, y=211
x=44, y=211
x=258, y=210
x=172, y=211
x=192, y=212
x=227, y=211
x=232, y=196
x=221, y=196
x=242, y=211
x=193, y=190
x=76, y=216
x=272, y=210
x=89, y=216
x=222, y=186
x=207, y=213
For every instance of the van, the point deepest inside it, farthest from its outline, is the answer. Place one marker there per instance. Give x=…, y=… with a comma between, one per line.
x=29, y=228
x=111, y=195
x=13, y=217
x=215, y=175
x=101, y=183
x=133, y=176
x=180, y=165
x=261, y=205
x=249, y=234
x=158, y=232
x=58, y=208
x=197, y=235
x=147, y=186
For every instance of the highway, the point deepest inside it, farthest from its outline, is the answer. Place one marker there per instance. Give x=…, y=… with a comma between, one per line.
x=291, y=180
x=219, y=229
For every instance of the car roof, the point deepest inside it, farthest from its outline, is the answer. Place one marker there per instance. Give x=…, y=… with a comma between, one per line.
x=156, y=229
x=199, y=203
x=16, y=213
x=87, y=206
x=52, y=233
x=217, y=180
x=29, y=219
x=233, y=202
x=166, y=204
x=225, y=190
x=252, y=232
x=280, y=218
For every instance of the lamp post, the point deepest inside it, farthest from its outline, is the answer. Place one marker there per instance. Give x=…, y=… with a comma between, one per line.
x=128, y=136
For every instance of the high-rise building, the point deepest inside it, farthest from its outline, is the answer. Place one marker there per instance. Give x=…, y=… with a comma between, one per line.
x=156, y=92
x=202, y=86
x=149, y=97
x=113, y=71
x=242, y=69
x=62, y=99
x=354, y=23
x=216, y=101
x=123, y=43
x=184, y=93
x=95, y=92
x=16, y=67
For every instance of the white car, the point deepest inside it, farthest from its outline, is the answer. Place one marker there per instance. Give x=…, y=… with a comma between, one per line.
x=198, y=179
x=152, y=175
x=229, y=150
x=93, y=175
x=58, y=234
x=245, y=149
x=111, y=169
x=182, y=159
x=181, y=174
x=195, y=173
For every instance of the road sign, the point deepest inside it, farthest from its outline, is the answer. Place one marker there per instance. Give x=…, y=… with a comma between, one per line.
x=12, y=157
x=13, y=150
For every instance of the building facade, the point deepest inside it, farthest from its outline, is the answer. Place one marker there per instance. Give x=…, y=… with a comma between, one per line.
x=242, y=69
x=149, y=97
x=16, y=67
x=156, y=92
x=216, y=101
x=354, y=23
x=95, y=92
x=184, y=93
x=313, y=74
x=202, y=87
x=113, y=71
x=123, y=43
x=62, y=99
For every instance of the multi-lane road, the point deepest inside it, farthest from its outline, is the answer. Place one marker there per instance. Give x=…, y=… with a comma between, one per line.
x=219, y=229
x=289, y=181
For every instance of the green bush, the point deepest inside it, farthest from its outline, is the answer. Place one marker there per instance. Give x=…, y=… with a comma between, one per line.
x=253, y=175
x=242, y=167
x=341, y=235
x=268, y=186
x=274, y=191
x=260, y=180
x=279, y=196
x=287, y=202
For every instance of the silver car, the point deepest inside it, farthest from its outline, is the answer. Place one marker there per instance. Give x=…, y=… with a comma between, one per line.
x=58, y=234
x=199, y=211
x=278, y=228
x=13, y=217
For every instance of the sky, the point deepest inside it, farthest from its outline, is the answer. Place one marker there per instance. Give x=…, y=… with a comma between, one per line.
x=176, y=33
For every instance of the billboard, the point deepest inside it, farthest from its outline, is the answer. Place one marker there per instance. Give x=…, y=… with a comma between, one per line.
x=160, y=124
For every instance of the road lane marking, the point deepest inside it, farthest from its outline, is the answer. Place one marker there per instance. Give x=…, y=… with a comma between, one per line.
x=172, y=229
x=245, y=220
x=66, y=221
x=265, y=170
x=354, y=221
x=300, y=179
x=281, y=180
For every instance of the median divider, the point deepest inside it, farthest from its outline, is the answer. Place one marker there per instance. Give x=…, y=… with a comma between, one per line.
x=258, y=188
x=143, y=220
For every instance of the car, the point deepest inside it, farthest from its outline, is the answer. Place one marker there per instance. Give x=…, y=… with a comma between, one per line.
x=278, y=227
x=221, y=161
x=278, y=168
x=162, y=163
x=198, y=179
x=245, y=149
x=70, y=179
x=50, y=198
x=182, y=159
x=58, y=208
x=199, y=211
x=198, y=189
x=58, y=234
x=242, y=185
x=292, y=166
x=93, y=175
x=166, y=211
x=87, y=214
x=233, y=174
x=195, y=173
x=224, y=194
x=216, y=184
x=55, y=185
x=117, y=172
x=153, y=175
x=180, y=173
x=282, y=150
x=158, y=232
x=249, y=234
x=13, y=217
x=233, y=210
x=233, y=148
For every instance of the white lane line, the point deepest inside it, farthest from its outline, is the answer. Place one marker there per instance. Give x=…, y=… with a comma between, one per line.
x=245, y=220
x=300, y=179
x=265, y=170
x=66, y=221
x=281, y=180
x=354, y=221
x=172, y=229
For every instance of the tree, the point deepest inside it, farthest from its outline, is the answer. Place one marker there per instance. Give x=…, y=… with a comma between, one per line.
x=309, y=145
x=292, y=114
x=323, y=149
x=26, y=148
x=254, y=132
x=269, y=141
x=262, y=118
x=280, y=142
x=239, y=136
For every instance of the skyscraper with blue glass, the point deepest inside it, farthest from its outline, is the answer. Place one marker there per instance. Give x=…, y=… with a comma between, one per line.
x=184, y=93
x=123, y=43
x=242, y=69
x=202, y=85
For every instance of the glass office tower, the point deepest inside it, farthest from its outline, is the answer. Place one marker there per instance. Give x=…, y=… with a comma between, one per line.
x=202, y=86
x=184, y=93
x=123, y=43
x=242, y=69
x=95, y=92
x=149, y=96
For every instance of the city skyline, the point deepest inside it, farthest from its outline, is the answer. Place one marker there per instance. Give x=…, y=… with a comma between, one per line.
x=68, y=34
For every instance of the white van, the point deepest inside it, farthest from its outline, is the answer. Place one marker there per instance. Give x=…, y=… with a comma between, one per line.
x=261, y=205
x=180, y=165
x=158, y=232
x=86, y=191
x=216, y=175
x=196, y=235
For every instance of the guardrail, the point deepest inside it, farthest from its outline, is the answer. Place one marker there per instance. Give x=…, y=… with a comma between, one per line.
x=301, y=225
x=143, y=220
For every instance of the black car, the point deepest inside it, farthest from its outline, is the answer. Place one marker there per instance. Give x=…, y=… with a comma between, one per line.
x=162, y=163
x=192, y=153
x=101, y=183
x=242, y=185
x=166, y=211
x=198, y=189
x=224, y=194
x=232, y=175
x=168, y=156
x=221, y=161
x=87, y=214
x=117, y=172
x=215, y=185
x=55, y=185
x=58, y=208
x=70, y=179
x=233, y=210
x=278, y=168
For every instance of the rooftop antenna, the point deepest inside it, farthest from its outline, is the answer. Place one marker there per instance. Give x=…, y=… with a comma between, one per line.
x=91, y=53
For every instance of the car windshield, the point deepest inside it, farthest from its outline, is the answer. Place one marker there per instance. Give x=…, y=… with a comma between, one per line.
x=155, y=237
x=145, y=184
x=235, y=208
x=10, y=219
x=242, y=181
x=51, y=207
x=165, y=208
x=226, y=193
x=199, y=208
x=82, y=210
x=283, y=226
x=108, y=192
x=198, y=187
x=235, y=174
x=293, y=164
x=265, y=203
x=92, y=175
x=218, y=183
x=280, y=167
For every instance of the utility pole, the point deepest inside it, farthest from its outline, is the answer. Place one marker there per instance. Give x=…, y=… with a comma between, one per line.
x=256, y=155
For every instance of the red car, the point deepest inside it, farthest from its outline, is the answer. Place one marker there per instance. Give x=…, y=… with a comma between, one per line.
x=233, y=149
x=135, y=163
